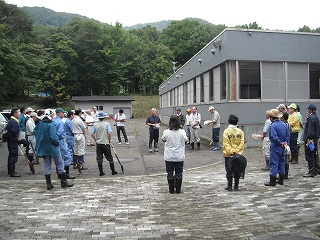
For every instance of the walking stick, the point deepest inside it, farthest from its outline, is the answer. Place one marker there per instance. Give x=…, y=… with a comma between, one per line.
x=34, y=151
x=117, y=158
x=26, y=156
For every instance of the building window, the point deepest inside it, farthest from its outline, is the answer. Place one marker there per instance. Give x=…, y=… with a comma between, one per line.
x=201, y=88
x=250, y=81
x=223, y=77
x=314, y=78
x=100, y=108
x=185, y=94
x=211, y=85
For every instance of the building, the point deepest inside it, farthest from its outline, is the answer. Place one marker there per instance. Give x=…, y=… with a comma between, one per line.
x=108, y=104
x=246, y=72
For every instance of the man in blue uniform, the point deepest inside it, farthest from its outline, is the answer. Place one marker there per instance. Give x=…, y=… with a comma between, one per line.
x=65, y=154
x=69, y=135
x=279, y=137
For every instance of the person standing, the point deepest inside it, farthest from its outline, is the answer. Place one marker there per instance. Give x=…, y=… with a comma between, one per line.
x=64, y=151
x=180, y=117
x=22, y=126
x=30, y=125
x=89, y=121
x=174, y=153
x=279, y=138
x=233, y=143
x=79, y=132
x=69, y=135
x=13, y=141
x=120, y=119
x=47, y=146
x=266, y=142
x=188, y=127
x=284, y=118
x=95, y=113
x=102, y=134
x=195, y=126
x=153, y=121
x=294, y=122
x=311, y=133
x=300, y=132
x=215, y=122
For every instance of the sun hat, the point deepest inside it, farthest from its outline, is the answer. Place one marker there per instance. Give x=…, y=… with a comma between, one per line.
x=33, y=114
x=275, y=113
x=29, y=109
x=101, y=115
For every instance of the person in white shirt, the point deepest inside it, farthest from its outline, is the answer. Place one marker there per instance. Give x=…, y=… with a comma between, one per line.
x=120, y=119
x=174, y=153
x=195, y=126
x=89, y=121
x=30, y=125
x=188, y=128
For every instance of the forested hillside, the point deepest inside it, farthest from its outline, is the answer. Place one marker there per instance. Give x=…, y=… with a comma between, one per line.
x=86, y=57
x=46, y=17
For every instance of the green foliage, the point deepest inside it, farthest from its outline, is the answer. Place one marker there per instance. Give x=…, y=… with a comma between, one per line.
x=81, y=56
x=47, y=17
x=141, y=106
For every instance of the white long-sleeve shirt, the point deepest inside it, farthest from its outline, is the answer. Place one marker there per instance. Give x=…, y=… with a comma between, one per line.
x=174, y=147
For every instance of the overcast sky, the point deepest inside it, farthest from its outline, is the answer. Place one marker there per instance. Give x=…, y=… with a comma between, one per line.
x=270, y=14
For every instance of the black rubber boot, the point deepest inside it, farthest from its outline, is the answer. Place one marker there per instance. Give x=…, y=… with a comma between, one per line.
x=229, y=187
x=192, y=146
x=286, y=175
x=178, y=185
x=171, y=185
x=198, y=145
x=272, y=181
x=101, y=169
x=112, y=168
x=12, y=171
x=64, y=182
x=69, y=176
x=312, y=172
x=280, y=180
x=48, y=180
x=236, y=183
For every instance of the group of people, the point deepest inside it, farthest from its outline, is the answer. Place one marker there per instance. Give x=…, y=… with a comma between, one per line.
x=283, y=134
x=61, y=137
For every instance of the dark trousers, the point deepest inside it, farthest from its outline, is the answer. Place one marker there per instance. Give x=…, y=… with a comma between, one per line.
x=215, y=134
x=174, y=168
x=153, y=135
x=311, y=156
x=103, y=149
x=13, y=153
x=123, y=130
x=294, y=143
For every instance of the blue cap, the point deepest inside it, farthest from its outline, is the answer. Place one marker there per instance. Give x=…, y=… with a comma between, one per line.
x=312, y=107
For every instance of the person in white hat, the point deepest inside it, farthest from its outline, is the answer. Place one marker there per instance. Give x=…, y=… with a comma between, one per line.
x=215, y=122
x=30, y=125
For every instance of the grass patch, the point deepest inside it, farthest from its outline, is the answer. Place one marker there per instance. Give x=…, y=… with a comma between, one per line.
x=142, y=105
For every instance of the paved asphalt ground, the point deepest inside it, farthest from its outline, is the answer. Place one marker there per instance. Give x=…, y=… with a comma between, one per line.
x=137, y=204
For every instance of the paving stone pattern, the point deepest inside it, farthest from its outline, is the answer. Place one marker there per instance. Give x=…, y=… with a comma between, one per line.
x=140, y=207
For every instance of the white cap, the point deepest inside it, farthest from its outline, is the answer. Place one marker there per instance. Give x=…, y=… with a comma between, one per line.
x=210, y=108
